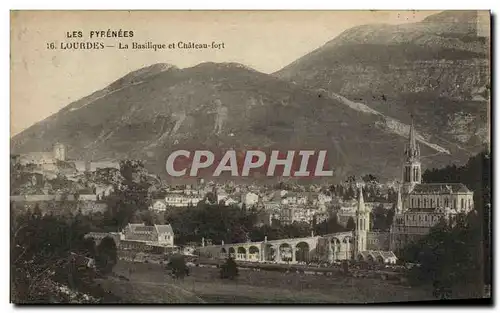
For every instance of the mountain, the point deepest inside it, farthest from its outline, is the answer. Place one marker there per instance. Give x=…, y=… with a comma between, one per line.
x=151, y=112
x=437, y=70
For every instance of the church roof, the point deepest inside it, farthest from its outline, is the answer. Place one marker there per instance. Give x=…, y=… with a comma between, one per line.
x=442, y=188
x=421, y=210
x=378, y=253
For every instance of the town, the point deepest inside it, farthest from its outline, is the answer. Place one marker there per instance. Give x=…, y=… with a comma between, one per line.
x=313, y=226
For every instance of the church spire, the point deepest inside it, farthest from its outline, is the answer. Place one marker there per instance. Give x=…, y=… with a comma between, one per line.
x=412, y=150
x=399, y=203
x=361, y=201
x=362, y=225
x=411, y=168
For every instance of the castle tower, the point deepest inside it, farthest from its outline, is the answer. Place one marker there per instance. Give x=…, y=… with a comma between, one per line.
x=412, y=174
x=362, y=225
x=59, y=152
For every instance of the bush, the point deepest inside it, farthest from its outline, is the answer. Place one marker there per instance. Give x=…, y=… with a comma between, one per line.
x=177, y=266
x=229, y=269
x=106, y=257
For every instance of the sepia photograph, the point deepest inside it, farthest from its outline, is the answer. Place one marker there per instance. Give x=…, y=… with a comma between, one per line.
x=250, y=157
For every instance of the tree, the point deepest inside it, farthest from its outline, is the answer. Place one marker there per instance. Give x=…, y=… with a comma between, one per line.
x=370, y=178
x=106, y=257
x=131, y=194
x=476, y=175
x=42, y=257
x=351, y=225
x=379, y=218
x=177, y=266
x=389, y=218
x=331, y=225
x=229, y=270
x=89, y=248
x=448, y=257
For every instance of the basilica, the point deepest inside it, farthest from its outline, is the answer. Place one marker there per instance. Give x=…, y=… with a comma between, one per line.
x=421, y=206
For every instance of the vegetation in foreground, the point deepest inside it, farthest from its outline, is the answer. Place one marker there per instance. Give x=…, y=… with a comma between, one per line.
x=51, y=262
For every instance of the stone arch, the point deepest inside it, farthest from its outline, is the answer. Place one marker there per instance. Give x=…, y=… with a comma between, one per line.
x=269, y=252
x=254, y=253
x=370, y=258
x=253, y=249
x=302, y=252
x=285, y=252
x=348, y=247
x=223, y=250
x=380, y=259
x=336, y=242
x=242, y=250
x=241, y=253
x=232, y=252
x=347, y=239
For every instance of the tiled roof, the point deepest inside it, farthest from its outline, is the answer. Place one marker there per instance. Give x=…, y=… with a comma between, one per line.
x=144, y=229
x=164, y=229
x=134, y=226
x=377, y=254
x=440, y=188
x=387, y=254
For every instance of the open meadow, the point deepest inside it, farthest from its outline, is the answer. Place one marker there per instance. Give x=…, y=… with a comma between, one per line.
x=150, y=283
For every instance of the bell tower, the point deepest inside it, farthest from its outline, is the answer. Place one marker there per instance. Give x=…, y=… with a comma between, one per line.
x=412, y=174
x=362, y=225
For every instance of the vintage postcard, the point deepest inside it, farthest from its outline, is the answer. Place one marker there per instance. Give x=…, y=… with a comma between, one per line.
x=250, y=156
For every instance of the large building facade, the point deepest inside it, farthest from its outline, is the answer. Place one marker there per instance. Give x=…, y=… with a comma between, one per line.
x=359, y=244
x=140, y=238
x=420, y=206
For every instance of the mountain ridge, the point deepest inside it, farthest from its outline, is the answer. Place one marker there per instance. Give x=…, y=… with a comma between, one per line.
x=317, y=102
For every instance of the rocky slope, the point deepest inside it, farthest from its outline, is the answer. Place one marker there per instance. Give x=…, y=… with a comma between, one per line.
x=437, y=69
x=151, y=112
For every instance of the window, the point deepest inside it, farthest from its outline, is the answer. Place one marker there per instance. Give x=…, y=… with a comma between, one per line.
x=412, y=203
x=446, y=203
x=425, y=202
x=418, y=202
x=468, y=205
x=407, y=174
x=432, y=202
x=462, y=202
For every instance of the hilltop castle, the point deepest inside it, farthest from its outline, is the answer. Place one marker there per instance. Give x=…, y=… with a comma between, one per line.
x=48, y=161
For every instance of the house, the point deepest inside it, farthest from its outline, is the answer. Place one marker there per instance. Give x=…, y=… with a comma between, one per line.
x=249, y=199
x=161, y=234
x=230, y=201
x=181, y=200
x=158, y=205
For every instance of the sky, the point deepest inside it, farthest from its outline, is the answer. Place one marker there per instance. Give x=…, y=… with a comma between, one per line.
x=44, y=80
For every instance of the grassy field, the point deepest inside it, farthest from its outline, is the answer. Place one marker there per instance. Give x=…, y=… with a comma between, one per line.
x=149, y=283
